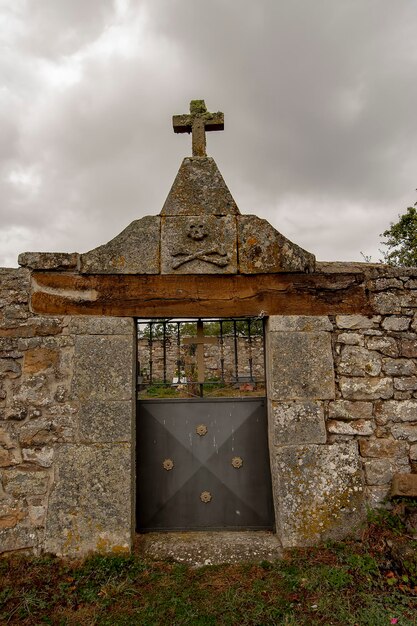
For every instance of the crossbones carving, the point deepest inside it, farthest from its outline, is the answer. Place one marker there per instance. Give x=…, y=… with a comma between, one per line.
x=215, y=255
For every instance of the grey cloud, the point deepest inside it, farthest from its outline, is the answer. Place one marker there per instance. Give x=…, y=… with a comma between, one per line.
x=319, y=100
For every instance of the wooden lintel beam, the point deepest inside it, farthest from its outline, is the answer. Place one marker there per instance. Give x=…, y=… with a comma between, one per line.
x=54, y=293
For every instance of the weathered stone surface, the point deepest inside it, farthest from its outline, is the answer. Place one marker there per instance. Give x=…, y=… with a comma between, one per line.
x=42, y=456
x=354, y=427
x=396, y=323
x=297, y=423
x=204, y=244
x=351, y=339
x=135, y=250
x=49, y=260
x=263, y=249
x=301, y=323
x=102, y=422
x=378, y=471
x=40, y=359
x=382, y=447
x=35, y=327
x=385, y=303
x=407, y=432
x=198, y=121
x=377, y=495
x=366, y=388
x=413, y=452
x=90, y=506
x=91, y=325
x=199, y=189
x=397, y=411
x=404, y=485
x=37, y=512
x=399, y=367
x=25, y=481
x=17, y=538
x=356, y=321
x=60, y=428
x=385, y=345
x=345, y=410
x=357, y=361
x=300, y=366
x=409, y=347
x=381, y=284
x=103, y=368
x=319, y=492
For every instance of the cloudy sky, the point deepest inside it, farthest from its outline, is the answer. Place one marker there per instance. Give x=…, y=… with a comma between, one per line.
x=320, y=103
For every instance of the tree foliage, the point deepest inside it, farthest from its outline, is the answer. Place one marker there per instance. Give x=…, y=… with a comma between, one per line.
x=401, y=240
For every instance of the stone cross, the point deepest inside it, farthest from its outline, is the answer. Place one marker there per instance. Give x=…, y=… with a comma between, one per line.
x=199, y=341
x=198, y=122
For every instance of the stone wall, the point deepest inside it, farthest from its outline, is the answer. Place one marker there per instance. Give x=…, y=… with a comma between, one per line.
x=343, y=409
x=342, y=398
x=66, y=407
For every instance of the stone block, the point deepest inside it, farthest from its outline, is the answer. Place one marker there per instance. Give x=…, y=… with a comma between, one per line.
x=382, y=447
x=351, y=339
x=17, y=538
x=57, y=428
x=396, y=323
x=357, y=361
x=352, y=322
x=49, y=260
x=413, y=452
x=378, y=471
x=300, y=366
x=105, y=422
x=90, y=506
x=91, y=325
x=381, y=284
x=386, y=345
x=409, y=348
x=346, y=410
x=42, y=456
x=354, y=427
x=397, y=411
x=10, y=368
x=199, y=189
x=300, y=323
x=262, y=249
x=404, y=485
x=40, y=359
x=25, y=481
x=103, y=368
x=204, y=244
x=406, y=432
x=377, y=495
x=385, y=303
x=297, y=423
x=399, y=367
x=366, y=388
x=135, y=250
x=319, y=492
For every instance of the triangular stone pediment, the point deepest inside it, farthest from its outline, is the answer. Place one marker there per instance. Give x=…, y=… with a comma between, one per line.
x=199, y=189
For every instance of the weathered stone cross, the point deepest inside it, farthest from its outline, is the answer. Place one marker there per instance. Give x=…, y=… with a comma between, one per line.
x=199, y=341
x=197, y=122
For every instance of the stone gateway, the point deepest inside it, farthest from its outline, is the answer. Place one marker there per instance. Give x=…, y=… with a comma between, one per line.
x=340, y=422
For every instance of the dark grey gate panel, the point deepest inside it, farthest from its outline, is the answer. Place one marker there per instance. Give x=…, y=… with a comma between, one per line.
x=217, y=479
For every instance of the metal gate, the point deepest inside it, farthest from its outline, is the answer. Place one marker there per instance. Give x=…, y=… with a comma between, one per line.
x=202, y=449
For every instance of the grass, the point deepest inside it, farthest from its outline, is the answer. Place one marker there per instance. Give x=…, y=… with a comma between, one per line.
x=355, y=583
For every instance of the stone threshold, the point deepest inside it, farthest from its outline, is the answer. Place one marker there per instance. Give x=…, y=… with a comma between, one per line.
x=209, y=548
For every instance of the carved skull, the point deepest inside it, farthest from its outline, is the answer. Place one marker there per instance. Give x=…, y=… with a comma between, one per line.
x=197, y=231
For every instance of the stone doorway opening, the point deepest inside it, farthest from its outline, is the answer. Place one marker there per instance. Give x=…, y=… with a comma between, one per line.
x=202, y=446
